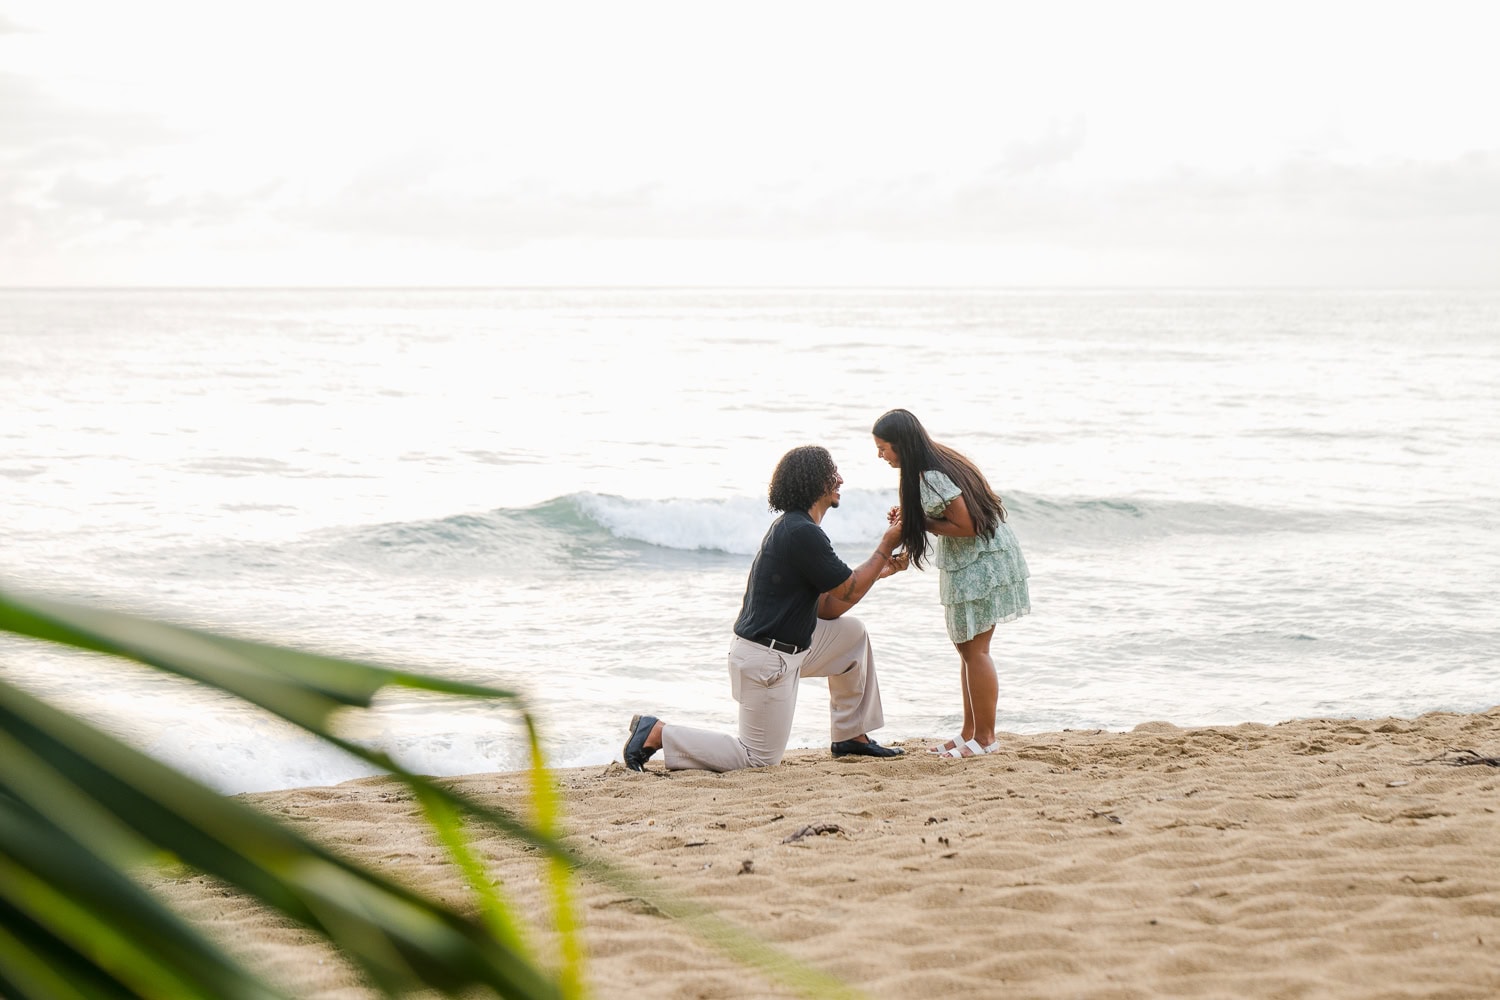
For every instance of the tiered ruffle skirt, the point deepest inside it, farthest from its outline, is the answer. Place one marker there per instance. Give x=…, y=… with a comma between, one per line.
x=982, y=582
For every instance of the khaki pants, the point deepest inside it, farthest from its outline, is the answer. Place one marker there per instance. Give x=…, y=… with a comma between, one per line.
x=765, y=685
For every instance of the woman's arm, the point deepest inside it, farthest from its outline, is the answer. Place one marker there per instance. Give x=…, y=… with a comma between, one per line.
x=955, y=522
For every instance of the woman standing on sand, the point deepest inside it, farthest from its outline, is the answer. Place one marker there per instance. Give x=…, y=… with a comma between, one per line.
x=981, y=572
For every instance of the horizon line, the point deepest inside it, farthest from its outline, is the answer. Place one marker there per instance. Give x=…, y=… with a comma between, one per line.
x=355, y=287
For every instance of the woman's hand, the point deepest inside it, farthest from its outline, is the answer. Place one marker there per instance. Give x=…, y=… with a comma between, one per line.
x=893, y=516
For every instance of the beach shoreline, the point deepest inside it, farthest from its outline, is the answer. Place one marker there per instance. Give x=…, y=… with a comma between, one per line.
x=1317, y=857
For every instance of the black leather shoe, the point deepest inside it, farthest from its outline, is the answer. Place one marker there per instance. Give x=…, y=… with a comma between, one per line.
x=861, y=749
x=636, y=753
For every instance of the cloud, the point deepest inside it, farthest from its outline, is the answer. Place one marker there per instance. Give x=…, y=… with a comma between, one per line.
x=1465, y=187
x=137, y=199
x=1301, y=221
x=1314, y=221
x=1061, y=143
x=70, y=180
x=38, y=130
x=416, y=196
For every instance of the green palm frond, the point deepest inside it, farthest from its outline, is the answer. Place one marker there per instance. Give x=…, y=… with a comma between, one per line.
x=123, y=808
x=78, y=809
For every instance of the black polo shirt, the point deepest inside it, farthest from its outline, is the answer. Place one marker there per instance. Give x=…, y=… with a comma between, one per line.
x=796, y=563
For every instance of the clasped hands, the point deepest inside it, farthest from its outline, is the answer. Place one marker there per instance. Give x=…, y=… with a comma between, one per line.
x=898, y=560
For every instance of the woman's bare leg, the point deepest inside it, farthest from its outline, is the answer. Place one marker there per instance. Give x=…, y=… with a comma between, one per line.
x=981, y=688
x=963, y=680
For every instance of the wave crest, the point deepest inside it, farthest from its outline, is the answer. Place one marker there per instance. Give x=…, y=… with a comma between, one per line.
x=596, y=530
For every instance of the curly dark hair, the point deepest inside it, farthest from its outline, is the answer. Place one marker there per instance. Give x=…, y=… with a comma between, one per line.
x=802, y=476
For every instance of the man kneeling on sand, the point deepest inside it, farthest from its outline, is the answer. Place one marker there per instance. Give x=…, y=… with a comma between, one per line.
x=791, y=625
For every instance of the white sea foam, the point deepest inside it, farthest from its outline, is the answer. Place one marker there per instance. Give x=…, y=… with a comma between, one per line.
x=735, y=526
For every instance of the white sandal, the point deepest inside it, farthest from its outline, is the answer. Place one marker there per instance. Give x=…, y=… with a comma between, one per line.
x=973, y=748
x=952, y=744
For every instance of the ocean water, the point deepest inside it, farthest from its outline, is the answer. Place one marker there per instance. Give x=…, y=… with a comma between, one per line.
x=1237, y=505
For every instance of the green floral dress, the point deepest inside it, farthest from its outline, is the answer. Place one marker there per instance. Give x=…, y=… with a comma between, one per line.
x=981, y=581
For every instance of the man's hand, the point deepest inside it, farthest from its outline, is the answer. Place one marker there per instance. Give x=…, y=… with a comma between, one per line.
x=895, y=564
x=846, y=595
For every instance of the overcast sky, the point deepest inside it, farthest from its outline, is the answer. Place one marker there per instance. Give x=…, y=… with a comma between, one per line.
x=325, y=142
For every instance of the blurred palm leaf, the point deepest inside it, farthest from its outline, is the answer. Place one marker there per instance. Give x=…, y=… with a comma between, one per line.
x=78, y=808
x=75, y=803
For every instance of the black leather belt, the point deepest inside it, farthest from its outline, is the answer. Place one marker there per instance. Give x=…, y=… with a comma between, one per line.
x=775, y=645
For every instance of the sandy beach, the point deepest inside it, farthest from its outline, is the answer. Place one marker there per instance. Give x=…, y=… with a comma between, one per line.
x=1315, y=858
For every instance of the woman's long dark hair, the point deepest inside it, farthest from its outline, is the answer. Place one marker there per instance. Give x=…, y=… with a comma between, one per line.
x=918, y=452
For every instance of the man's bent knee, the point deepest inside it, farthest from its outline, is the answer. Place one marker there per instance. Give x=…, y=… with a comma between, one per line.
x=763, y=758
